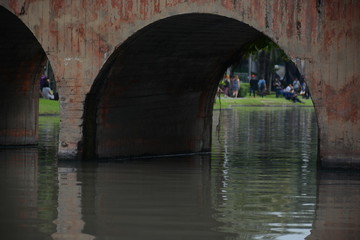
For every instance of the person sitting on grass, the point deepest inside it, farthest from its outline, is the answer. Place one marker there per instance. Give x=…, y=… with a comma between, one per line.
x=290, y=94
x=47, y=93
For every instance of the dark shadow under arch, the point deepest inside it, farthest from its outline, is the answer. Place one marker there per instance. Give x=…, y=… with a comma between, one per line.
x=155, y=94
x=21, y=62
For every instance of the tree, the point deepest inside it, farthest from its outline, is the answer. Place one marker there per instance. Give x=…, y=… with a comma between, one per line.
x=267, y=53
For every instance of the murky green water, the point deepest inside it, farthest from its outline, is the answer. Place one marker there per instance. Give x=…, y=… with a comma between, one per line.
x=260, y=182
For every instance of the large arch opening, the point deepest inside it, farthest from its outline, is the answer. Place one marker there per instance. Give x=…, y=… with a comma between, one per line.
x=21, y=63
x=155, y=94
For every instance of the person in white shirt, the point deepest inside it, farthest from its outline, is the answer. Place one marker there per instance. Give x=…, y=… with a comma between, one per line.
x=46, y=91
x=290, y=94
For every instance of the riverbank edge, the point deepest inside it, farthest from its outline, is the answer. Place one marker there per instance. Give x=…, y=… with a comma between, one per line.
x=249, y=105
x=52, y=108
x=267, y=101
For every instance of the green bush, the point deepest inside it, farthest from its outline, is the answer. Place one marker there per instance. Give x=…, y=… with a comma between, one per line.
x=244, y=89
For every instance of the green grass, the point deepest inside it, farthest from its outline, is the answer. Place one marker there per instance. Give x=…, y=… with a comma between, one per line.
x=53, y=107
x=48, y=106
x=269, y=100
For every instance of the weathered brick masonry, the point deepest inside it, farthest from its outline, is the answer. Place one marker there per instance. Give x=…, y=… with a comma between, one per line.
x=138, y=77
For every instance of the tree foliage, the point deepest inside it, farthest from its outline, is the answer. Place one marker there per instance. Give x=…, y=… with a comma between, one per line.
x=264, y=44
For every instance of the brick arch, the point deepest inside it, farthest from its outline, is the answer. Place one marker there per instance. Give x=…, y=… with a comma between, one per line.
x=155, y=94
x=21, y=62
x=320, y=35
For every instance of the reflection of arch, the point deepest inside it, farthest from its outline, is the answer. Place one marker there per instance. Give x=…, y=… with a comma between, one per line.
x=21, y=59
x=155, y=94
x=338, y=209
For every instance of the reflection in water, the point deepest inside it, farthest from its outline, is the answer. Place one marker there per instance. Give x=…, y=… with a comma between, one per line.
x=69, y=219
x=338, y=206
x=19, y=199
x=150, y=199
x=259, y=183
x=265, y=181
x=28, y=187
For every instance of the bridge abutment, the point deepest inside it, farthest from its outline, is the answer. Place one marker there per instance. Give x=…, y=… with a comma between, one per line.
x=338, y=140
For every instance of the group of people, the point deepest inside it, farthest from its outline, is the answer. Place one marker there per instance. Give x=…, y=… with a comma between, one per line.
x=292, y=90
x=45, y=89
x=231, y=86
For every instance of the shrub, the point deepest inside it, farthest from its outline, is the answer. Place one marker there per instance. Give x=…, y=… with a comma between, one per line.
x=244, y=89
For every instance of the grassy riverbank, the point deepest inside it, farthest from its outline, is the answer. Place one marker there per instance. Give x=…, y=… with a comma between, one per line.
x=53, y=107
x=47, y=107
x=269, y=100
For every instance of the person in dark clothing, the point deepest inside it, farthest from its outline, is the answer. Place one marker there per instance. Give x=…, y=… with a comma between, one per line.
x=253, y=85
x=43, y=81
x=278, y=88
x=226, y=85
x=304, y=90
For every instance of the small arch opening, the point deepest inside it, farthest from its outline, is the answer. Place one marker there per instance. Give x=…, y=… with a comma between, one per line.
x=22, y=61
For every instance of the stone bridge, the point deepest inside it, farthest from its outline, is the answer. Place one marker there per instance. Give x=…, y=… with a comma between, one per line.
x=138, y=77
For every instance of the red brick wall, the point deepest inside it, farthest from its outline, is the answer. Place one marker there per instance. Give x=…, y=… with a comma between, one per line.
x=322, y=36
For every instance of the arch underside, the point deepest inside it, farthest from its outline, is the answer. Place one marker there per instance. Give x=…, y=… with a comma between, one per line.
x=155, y=94
x=21, y=57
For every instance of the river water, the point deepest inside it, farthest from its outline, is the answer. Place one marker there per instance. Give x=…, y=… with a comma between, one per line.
x=259, y=182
